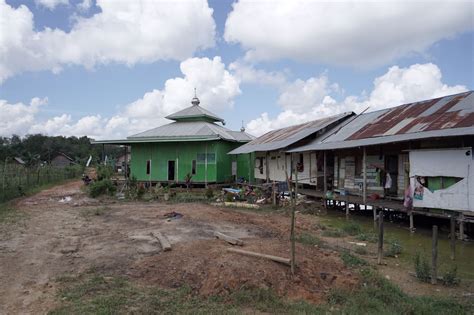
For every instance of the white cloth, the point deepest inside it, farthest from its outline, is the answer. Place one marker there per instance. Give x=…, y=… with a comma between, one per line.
x=388, y=181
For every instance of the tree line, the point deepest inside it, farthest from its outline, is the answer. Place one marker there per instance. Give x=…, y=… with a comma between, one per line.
x=36, y=149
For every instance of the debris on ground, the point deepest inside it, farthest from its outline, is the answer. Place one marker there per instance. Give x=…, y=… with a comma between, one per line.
x=65, y=199
x=172, y=215
x=229, y=239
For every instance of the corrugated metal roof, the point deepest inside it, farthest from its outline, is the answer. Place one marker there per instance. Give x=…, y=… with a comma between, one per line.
x=194, y=111
x=284, y=137
x=446, y=116
x=192, y=129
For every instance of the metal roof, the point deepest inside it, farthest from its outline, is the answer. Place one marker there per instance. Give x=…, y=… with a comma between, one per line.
x=284, y=137
x=192, y=112
x=446, y=116
x=184, y=131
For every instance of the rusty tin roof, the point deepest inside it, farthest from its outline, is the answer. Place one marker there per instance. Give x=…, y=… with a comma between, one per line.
x=446, y=116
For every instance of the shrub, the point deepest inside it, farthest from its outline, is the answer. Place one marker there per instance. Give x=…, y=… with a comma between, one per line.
x=102, y=187
x=352, y=228
x=209, y=193
x=422, y=268
x=104, y=172
x=394, y=249
x=367, y=237
x=361, y=250
x=135, y=189
x=450, y=276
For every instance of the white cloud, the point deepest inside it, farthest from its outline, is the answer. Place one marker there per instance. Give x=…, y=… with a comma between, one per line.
x=355, y=33
x=51, y=4
x=216, y=89
x=17, y=118
x=85, y=5
x=127, y=32
x=311, y=99
x=247, y=73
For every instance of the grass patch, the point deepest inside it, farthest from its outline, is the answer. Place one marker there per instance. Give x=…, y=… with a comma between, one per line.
x=361, y=250
x=351, y=228
x=350, y=260
x=422, y=268
x=377, y=295
x=308, y=239
x=9, y=214
x=94, y=294
x=333, y=233
x=367, y=237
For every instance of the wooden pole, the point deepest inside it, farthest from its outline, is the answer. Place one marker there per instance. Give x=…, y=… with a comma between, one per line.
x=452, y=237
x=347, y=206
x=274, y=201
x=325, y=183
x=267, y=170
x=282, y=260
x=205, y=168
x=293, y=210
x=380, y=244
x=434, y=256
x=412, y=223
x=364, y=170
x=461, y=227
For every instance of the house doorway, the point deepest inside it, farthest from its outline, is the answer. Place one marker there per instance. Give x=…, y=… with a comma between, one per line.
x=171, y=167
x=391, y=167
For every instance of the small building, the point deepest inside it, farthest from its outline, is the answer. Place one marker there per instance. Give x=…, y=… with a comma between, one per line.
x=195, y=143
x=62, y=160
x=271, y=159
x=416, y=155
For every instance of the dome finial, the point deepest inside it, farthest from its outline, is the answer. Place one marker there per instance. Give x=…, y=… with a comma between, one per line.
x=195, y=101
x=242, y=129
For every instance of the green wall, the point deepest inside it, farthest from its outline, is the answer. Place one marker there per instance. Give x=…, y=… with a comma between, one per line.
x=183, y=153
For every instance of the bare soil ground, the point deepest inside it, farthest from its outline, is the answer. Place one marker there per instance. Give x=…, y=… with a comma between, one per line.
x=61, y=236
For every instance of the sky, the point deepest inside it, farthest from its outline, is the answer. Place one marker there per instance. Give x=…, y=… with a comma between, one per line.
x=109, y=69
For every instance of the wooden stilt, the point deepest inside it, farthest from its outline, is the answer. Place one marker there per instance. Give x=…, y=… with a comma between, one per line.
x=461, y=227
x=452, y=237
x=412, y=224
x=380, y=244
x=325, y=183
x=347, y=207
x=434, y=256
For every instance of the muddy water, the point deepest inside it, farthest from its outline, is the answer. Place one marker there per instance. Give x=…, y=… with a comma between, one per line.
x=420, y=241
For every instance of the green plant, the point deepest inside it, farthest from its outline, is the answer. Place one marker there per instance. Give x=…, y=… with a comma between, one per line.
x=367, y=237
x=352, y=228
x=394, y=249
x=135, y=189
x=187, y=180
x=422, y=268
x=209, y=193
x=104, y=172
x=351, y=260
x=101, y=187
x=450, y=276
x=308, y=239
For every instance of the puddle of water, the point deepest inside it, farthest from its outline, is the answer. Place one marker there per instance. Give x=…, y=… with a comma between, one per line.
x=420, y=241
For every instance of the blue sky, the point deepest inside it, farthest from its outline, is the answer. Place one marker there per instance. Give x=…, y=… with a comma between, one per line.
x=109, y=69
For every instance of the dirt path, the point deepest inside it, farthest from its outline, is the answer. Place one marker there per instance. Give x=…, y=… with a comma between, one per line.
x=67, y=233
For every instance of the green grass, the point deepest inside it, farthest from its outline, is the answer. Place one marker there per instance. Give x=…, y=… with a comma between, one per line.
x=367, y=237
x=92, y=293
x=350, y=260
x=377, y=295
x=351, y=228
x=308, y=239
x=333, y=233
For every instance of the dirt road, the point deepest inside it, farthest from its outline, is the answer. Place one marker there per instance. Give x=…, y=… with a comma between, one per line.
x=64, y=232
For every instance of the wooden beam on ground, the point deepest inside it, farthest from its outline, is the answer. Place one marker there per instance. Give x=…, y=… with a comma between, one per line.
x=229, y=239
x=165, y=244
x=282, y=260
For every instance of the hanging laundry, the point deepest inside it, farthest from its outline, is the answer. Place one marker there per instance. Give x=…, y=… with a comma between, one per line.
x=388, y=181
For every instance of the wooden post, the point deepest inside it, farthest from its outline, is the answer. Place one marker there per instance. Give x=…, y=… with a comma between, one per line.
x=250, y=163
x=452, y=237
x=380, y=244
x=325, y=182
x=267, y=170
x=412, y=223
x=347, y=206
x=434, y=256
x=461, y=227
x=293, y=219
x=364, y=170
x=274, y=201
x=205, y=168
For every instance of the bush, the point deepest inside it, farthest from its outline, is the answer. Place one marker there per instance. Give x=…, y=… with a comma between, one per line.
x=367, y=237
x=104, y=172
x=102, y=187
x=352, y=228
x=209, y=193
x=135, y=189
x=394, y=248
x=450, y=277
x=422, y=268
